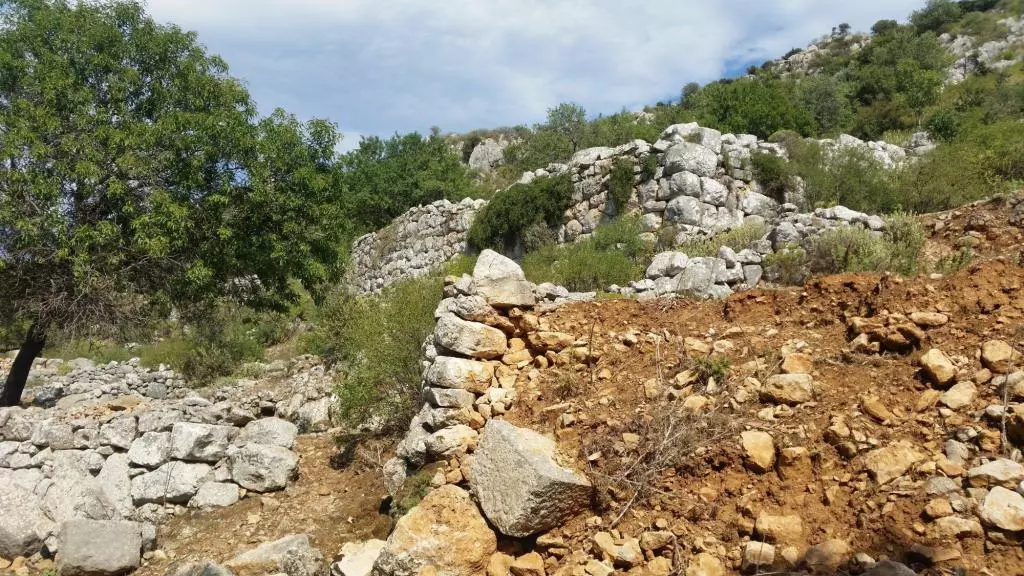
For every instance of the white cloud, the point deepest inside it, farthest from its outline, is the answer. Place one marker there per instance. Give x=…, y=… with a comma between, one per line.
x=376, y=67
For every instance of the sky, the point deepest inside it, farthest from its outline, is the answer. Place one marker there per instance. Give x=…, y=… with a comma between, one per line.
x=385, y=66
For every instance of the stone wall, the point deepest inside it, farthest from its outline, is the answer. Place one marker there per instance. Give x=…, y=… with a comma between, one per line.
x=487, y=337
x=413, y=245
x=119, y=442
x=703, y=184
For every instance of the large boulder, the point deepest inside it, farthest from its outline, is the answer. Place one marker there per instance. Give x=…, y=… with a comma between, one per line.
x=23, y=526
x=115, y=481
x=502, y=282
x=691, y=158
x=174, y=482
x=151, y=449
x=263, y=468
x=469, y=338
x=268, y=431
x=99, y=547
x=292, y=555
x=521, y=487
x=667, y=264
x=200, y=442
x=460, y=373
x=700, y=274
x=444, y=532
x=70, y=495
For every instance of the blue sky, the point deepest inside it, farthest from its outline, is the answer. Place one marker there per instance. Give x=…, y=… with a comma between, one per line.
x=386, y=66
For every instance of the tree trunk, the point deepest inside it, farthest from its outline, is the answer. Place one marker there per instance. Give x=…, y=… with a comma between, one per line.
x=35, y=341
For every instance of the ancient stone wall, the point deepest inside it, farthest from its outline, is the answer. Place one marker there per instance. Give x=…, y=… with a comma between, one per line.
x=413, y=245
x=120, y=442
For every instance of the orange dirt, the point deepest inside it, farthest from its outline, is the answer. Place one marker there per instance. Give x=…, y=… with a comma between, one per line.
x=711, y=498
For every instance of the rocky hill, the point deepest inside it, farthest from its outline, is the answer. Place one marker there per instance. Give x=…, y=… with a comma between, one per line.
x=702, y=418
x=843, y=427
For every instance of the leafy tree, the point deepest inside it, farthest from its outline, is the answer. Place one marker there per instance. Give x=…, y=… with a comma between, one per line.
x=827, y=99
x=568, y=120
x=884, y=27
x=751, y=106
x=936, y=15
x=384, y=178
x=895, y=77
x=690, y=89
x=133, y=173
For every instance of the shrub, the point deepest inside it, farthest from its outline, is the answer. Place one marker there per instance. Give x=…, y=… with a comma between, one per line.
x=982, y=162
x=614, y=254
x=376, y=341
x=649, y=168
x=954, y=262
x=219, y=340
x=773, y=173
x=538, y=236
x=501, y=224
x=751, y=106
x=620, y=183
x=850, y=176
x=856, y=249
x=738, y=238
x=936, y=16
x=787, y=265
x=943, y=124
x=905, y=238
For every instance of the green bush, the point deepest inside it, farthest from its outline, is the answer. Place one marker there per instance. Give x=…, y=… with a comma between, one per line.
x=738, y=238
x=856, y=249
x=218, y=340
x=773, y=173
x=850, y=176
x=905, y=239
x=943, y=124
x=620, y=183
x=376, y=340
x=501, y=224
x=787, y=265
x=649, y=168
x=936, y=16
x=537, y=236
x=985, y=161
x=614, y=254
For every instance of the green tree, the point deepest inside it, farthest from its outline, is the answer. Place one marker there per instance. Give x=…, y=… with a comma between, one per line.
x=568, y=120
x=896, y=77
x=936, y=16
x=384, y=178
x=133, y=173
x=690, y=89
x=884, y=27
x=751, y=106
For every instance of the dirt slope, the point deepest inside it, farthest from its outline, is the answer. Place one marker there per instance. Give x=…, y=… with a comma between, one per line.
x=603, y=412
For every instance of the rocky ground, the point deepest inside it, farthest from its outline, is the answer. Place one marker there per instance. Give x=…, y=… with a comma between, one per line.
x=843, y=427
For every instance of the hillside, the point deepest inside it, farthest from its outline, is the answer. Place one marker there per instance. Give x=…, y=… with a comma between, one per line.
x=773, y=328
